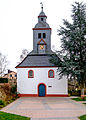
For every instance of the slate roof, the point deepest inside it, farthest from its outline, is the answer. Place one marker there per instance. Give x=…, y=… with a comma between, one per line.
x=42, y=13
x=42, y=25
x=36, y=60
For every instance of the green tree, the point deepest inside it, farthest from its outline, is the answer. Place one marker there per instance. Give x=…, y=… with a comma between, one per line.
x=73, y=52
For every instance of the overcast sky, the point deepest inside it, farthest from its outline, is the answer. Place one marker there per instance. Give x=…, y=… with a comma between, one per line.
x=18, y=17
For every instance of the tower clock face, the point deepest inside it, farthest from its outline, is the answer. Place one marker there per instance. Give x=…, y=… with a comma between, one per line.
x=41, y=47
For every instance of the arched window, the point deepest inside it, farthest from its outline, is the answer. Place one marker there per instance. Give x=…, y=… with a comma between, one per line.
x=44, y=35
x=39, y=35
x=51, y=73
x=30, y=74
x=41, y=19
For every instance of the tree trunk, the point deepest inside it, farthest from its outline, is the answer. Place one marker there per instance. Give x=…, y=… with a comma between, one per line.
x=82, y=90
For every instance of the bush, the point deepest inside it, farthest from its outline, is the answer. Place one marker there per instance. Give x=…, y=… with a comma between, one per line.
x=2, y=102
x=74, y=92
x=3, y=80
x=14, y=89
x=70, y=92
x=6, y=88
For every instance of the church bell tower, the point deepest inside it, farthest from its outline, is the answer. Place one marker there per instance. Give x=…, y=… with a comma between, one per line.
x=42, y=35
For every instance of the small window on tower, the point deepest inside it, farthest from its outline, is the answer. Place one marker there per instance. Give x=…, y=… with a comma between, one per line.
x=41, y=19
x=39, y=35
x=44, y=35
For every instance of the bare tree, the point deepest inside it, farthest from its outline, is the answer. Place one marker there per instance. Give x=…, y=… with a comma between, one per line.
x=23, y=54
x=3, y=64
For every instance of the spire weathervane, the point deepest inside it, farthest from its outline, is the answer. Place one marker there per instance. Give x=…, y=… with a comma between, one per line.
x=41, y=6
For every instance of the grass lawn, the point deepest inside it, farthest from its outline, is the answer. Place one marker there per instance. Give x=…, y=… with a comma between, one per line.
x=82, y=117
x=84, y=103
x=79, y=99
x=8, y=116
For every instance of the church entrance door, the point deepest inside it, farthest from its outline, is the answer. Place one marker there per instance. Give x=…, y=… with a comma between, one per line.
x=41, y=90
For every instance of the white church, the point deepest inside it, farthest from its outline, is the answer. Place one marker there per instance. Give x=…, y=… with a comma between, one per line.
x=36, y=76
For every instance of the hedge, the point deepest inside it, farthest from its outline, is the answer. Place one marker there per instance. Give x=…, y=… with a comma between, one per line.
x=3, y=80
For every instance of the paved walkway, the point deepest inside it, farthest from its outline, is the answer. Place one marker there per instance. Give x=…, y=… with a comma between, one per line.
x=46, y=108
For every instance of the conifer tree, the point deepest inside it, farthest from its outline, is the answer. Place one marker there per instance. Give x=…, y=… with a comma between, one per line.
x=73, y=39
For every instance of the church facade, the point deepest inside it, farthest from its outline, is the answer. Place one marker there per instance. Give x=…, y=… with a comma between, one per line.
x=36, y=76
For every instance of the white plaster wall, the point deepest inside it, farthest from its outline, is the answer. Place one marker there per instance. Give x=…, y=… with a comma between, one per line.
x=27, y=85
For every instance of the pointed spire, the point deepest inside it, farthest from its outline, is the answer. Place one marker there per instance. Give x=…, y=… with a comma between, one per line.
x=42, y=14
x=41, y=6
